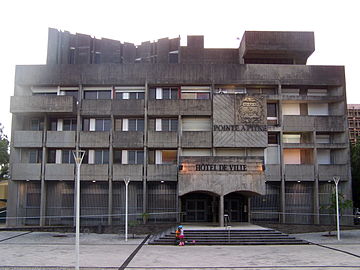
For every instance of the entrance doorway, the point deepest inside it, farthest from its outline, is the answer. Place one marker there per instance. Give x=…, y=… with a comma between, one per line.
x=236, y=207
x=200, y=207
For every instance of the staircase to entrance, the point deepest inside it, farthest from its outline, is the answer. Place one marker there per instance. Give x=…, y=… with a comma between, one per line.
x=228, y=236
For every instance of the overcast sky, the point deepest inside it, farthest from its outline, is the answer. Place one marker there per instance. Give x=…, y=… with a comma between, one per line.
x=24, y=28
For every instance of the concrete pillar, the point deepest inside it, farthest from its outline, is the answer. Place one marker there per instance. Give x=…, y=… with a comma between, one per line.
x=221, y=210
x=316, y=207
x=146, y=95
x=43, y=183
x=111, y=162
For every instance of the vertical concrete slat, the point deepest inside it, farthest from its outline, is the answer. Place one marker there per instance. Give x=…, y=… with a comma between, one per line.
x=282, y=167
x=43, y=184
x=111, y=163
x=316, y=206
x=144, y=206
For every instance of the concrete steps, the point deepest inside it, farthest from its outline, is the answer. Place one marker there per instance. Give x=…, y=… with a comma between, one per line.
x=230, y=237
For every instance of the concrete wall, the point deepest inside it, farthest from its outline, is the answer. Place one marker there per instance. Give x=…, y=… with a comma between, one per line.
x=60, y=172
x=162, y=172
x=162, y=139
x=24, y=138
x=134, y=172
x=299, y=172
x=196, y=139
x=26, y=171
x=128, y=139
x=90, y=139
x=309, y=123
x=42, y=104
x=60, y=139
x=94, y=172
x=193, y=74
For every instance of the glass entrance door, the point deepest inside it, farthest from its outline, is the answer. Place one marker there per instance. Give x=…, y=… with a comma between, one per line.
x=235, y=205
x=196, y=210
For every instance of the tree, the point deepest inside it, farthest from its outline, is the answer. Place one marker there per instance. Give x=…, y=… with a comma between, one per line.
x=355, y=172
x=4, y=154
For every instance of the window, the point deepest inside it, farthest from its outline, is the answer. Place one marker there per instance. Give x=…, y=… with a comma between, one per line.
x=37, y=124
x=193, y=92
x=191, y=152
x=53, y=124
x=51, y=156
x=196, y=123
x=322, y=138
x=273, y=138
x=317, y=92
x=102, y=124
x=130, y=124
x=290, y=91
x=67, y=157
x=291, y=109
x=71, y=59
x=129, y=156
x=102, y=156
x=164, y=93
x=272, y=110
x=97, y=58
x=318, y=109
x=93, y=124
x=35, y=156
x=69, y=124
x=162, y=156
x=166, y=125
x=130, y=92
x=323, y=156
x=291, y=138
x=173, y=57
x=73, y=93
x=103, y=94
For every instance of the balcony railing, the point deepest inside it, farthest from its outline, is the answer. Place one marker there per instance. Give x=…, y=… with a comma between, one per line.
x=24, y=138
x=42, y=104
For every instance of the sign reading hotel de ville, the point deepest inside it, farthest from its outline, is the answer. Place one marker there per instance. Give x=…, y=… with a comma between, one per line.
x=239, y=121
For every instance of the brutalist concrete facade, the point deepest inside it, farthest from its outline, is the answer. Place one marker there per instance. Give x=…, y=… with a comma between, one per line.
x=354, y=122
x=252, y=133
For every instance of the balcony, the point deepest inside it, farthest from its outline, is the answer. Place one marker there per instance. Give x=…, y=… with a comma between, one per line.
x=133, y=171
x=42, y=104
x=299, y=172
x=95, y=107
x=196, y=139
x=128, y=107
x=182, y=106
x=332, y=145
x=328, y=171
x=60, y=172
x=272, y=172
x=310, y=123
x=94, y=172
x=298, y=145
x=94, y=139
x=159, y=172
x=132, y=139
x=60, y=139
x=26, y=171
x=26, y=138
x=162, y=139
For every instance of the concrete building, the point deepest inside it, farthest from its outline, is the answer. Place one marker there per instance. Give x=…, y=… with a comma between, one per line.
x=354, y=122
x=251, y=132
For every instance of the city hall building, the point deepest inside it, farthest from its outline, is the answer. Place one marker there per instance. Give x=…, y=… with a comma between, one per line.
x=251, y=133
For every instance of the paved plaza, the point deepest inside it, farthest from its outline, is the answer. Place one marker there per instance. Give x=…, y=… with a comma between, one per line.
x=50, y=250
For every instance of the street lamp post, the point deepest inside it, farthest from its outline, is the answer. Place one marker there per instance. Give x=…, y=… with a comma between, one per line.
x=78, y=157
x=127, y=181
x=336, y=181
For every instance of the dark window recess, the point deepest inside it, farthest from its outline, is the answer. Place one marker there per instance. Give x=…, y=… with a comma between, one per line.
x=67, y=157
x=69, y=125
x=152, y=94
x=117, y=156
x=169, y=124
x=102, y=124
x=151, y=158
x=86, y=124
x=97, y=94
x=273, y=138
x=271, y=109
x=71, y=59
x=102, y=156
x=97, y=57
x=35, y=156
x=37, y=124
x=53, y=125
x=170, y=93
x=136, y=125
x=90, y=95
x=173, y=58
x=73, y=93
x=135, y=157
x=51, y=156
